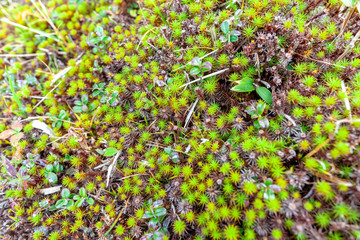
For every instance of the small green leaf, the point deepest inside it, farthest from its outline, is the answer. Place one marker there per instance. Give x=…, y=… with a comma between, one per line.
x=247, y=80
x=77, y=109
x=289, y=67
x=168, y=151
x=195, y=61
x=260, y=108
x=148, y=214
x=206, y=66
x=52, y=208
x=265, y=94
x=169, y=81
x=80, y=202
x=84, y=99
x=51, y=177
x=82, y=192
x=70, y=204
x=263, y=122
x=233, y=38
x=60, y=203
x=94, y=41
x=90, y=201
x=256, y=124
x=195, y=71
x=225, y=27
x=99, y=30
x=76, y=197
x=49, y=167
x=160, y=211
x=110, y=152
x=243, y=87
x=65, y=193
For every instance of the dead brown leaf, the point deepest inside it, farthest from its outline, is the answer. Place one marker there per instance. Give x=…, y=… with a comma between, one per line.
x=14, y=139
x=6, y=134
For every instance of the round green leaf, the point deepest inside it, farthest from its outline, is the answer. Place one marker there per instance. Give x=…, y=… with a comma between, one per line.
x=233, y=38
x=160, y=211
x=60, y=203
x=51, y=177
x=110, y=152
x=70, y=204
x=90, y=201
x=77, y=109
x=80, y=202
x=82, y=192
x=225, y=27
x=76, y=197
x=265, y=94
x=195, y=71
x=147, y=214
x=243, y=87
x=65, y=193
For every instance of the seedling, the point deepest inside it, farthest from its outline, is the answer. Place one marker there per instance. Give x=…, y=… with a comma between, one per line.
x=229, y=36
x=269, y=189
x=174, y=156
x=58, y=120
x=261, y=121
x=17, y=178
x=248, y=85
x=51, y=170
x=31, y=161
x=99, y=89
x=68, y=200
x=132, y=9
x=100, y=41
x=110, y=99
x=155, y=213
x=199, y=67
x=12, y=84
x=31, y=80
x=81, y=106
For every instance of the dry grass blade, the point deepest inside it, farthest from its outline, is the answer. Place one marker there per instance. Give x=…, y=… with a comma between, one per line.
x=207, y=76
x=151, y=29
x=23, y=55
x=350, y=46
x=46, y=95
x=41, y=33
x=188, y=117
x=60, y=74
x=346, y=99
x=112, y=168
x=118, y=217
x=332, y=178
x=50, y=190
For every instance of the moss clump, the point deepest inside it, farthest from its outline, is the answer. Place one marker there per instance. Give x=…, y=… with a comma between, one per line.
x=129, y=108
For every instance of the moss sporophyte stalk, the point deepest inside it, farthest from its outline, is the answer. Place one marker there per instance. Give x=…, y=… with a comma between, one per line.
x=180, y=119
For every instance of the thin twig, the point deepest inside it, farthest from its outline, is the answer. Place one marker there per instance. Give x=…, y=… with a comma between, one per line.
x=103, y=164
x=46, y=95
x=346, y=99
x=207, y=76
x=151, y=29
x=118, y=217
x=350, y=46
x=34, y=118
x=199, y=58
